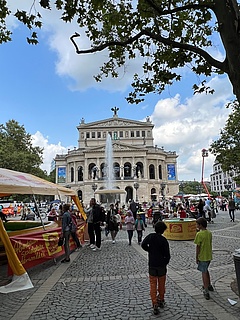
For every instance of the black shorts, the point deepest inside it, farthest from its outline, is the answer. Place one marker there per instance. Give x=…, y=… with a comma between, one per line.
x=158, y=271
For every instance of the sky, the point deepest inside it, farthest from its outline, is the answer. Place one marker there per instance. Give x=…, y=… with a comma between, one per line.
x=48, y=88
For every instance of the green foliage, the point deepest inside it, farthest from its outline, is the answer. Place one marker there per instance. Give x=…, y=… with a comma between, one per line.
x=165, y=35
x=191, y=187
x=52, y=176
x=17, y=152
x=227, y=147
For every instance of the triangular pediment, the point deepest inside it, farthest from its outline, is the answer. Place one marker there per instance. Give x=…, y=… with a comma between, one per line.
x=116, y=123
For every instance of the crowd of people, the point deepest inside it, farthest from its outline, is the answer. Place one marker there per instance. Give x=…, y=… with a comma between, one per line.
x=134, y=218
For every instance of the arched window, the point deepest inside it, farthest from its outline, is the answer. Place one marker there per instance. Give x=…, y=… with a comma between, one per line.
x=102, y=170
x=139, y=170
x=151, y=172
x=72, y=175
x=153, y=194
x=129, y=195
x=116, y=169
x=80, y=173
x=127, y=170
x=160, y=172
x=91, y=172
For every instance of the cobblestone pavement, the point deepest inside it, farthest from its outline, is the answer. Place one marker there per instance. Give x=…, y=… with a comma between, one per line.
x=113, y=283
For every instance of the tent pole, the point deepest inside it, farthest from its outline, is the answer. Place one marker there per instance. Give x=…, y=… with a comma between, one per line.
x=38, y=212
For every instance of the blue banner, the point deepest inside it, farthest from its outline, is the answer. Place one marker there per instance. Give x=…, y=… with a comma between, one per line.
x=62, y=175
x=171, y=172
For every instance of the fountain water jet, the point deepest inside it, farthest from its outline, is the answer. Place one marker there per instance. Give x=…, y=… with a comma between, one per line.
x=110, y=194
x=108, y=168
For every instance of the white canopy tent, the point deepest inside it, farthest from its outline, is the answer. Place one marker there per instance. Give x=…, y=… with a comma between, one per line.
x=14, y=182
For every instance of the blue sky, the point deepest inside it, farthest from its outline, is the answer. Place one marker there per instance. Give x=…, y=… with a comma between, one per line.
x=48, y=89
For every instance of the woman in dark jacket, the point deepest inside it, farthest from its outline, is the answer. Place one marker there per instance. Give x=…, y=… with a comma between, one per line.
x=66, y=230
x=200, y=206
x=112, y=222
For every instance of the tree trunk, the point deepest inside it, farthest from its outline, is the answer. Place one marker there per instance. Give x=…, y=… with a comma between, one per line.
x=228, y=18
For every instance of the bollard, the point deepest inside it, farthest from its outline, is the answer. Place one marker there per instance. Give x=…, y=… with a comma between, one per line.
x=236, y=258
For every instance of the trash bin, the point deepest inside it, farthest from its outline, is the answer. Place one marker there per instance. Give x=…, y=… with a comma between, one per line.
x=236, y=258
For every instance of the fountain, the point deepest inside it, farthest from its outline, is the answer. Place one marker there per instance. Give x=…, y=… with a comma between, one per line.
x=110, y=193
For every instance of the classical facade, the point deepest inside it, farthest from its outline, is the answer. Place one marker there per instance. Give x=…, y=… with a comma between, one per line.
x=145, y=171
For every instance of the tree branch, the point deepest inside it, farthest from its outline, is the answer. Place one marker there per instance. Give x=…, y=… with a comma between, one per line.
x=215, y=63
x=178, y=9
x=106, y=44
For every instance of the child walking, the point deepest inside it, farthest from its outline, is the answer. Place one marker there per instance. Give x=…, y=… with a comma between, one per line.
x=158, y=257
x=203, y=240
x=129, y=222
x=139, y=226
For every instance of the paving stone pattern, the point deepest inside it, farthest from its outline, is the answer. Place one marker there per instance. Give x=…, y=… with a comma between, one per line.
x=113, y=283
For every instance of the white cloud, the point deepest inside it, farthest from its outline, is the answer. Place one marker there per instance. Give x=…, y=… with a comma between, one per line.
x=189, y=127
x=50, y=150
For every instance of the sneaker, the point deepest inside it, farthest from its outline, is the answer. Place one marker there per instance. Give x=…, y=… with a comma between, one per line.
x=210, y=288
x=113, y=241
x=161, y=304
x=155, y=309
x=92, y=246
x=65, y=260
x=96, y=249
x=206, y=294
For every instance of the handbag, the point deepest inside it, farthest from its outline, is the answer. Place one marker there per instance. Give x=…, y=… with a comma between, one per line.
x=60, y=241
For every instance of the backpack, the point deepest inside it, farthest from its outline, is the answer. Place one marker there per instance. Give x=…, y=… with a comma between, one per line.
x=72, y=225
x=103, y=216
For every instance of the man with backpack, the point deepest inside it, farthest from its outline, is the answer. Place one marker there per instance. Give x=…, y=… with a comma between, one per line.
x=95, y=217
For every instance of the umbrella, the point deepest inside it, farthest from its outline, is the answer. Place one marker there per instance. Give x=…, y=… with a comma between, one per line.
x=55, y=201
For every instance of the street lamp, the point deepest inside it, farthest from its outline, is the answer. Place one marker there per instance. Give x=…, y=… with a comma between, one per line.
x=204, y=155
x=136, y=186
x=163, y=186
x=94, y=187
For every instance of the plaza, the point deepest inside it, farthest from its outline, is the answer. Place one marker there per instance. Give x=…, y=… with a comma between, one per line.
x=113, y=283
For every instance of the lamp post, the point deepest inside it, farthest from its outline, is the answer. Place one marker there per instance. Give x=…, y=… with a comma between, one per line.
x=136, y=186
x=204, y=155
x=163, y=186
x=94, y=187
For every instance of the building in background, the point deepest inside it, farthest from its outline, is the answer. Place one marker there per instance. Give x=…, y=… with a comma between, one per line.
x=145, y=171
x=222, y=181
